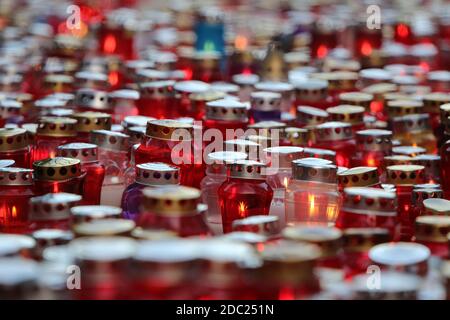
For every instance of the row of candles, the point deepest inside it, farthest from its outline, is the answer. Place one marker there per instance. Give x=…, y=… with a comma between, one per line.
x=330, y=168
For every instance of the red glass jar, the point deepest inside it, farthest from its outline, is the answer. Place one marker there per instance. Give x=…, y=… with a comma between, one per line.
x=365, y=207
x=359, y=177
x=88, y=121
x=401, y=256
x=16, y=188
x=445, y=169
x=432, y=231
x=105, y=262
x=174, y=208
x=356, y=245
x=183, y=90
x=157, y=99
x=415, y=130
x=367, y=40
x=287, y=272
x=314, y=93
x=207, y=66
x=52, y=211
x=372, y=146
x=428, y=194
x=87, y=99
x=58, y=174
x=52, y=132
x=336, y=136
x=124, y=103
x=169, y=141
x=245, y=193
x=328, y=239
x=166, y=269
x=15, y=145
x=226, y=114
x=95, y=171
x=324, y=35
x=432, y=164
x=113, y=153
x=199, y=101
x=443, y=133
x=379, y=90
x=404, y=177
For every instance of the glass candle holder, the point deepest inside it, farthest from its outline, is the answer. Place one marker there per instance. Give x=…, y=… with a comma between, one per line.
x=398, y=106
x=354, y=115
x=367, y=40
x=81, y=214
x=401, y=256
x=328, y=239
x=338, y=82
x=87, y=99
x=246, y=84
x=52, y=132
x=183, y=89
x=95, y=171
x=308, y=117
x=415, y=130
x=15, y=146
x=152, y=174
x=286, y=90
x=156, y=99
x=372, y=146
x=432, y=231
x=16, y=245
x=124, y=103
x=422, y=192
x=288, y=271
x=52, y=211
x=90, y=120
x=199, y=101
x=432, y=164
x=365, y=207
x=336, y=136
x=105, y=262
x=206, y=66
x=356, y=245
x=173, y=208
x=169, y=141
x=404, y=177
x=216, y=174
x=279, y=174
x=312, y=195
x=226, y=114
x=359, y=177
x=165, y=270
x=245, y=192
x=16, y=185
x=113, y=148
x=314, y=93
x=265, y=106
x=58, y=174
x=379, y=90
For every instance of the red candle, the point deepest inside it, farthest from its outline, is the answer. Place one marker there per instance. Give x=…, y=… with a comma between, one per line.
x=95, y=171
x=359, y=177
x=372, y=146
x=226, y=114
x=15, y=145
x=245, y=192
x=157, y=99
x=183, y=90
x=124, y=103
x=16, y=186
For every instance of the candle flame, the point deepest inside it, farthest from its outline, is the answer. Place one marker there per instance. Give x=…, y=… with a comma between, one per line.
x=402, y=31
x=322, y=51
x=110, y=44
x=242, y=207
x=55, y=187
x=14, y=212
x=113, y=78
x=312, y=206
x=285, y=182
x=366, y=48
x=331, y=213
x=371, y=162
x=241, y=43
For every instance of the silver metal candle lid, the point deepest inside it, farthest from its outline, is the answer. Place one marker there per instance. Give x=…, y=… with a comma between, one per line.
x=265, y=101
x=157, y=174
x=314, y=169
x=85, y=152
x=52, y=206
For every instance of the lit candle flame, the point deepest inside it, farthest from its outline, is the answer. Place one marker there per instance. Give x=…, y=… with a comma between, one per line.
x=371, y=162
x=242, y=207
x=110, y=44
x=113, y=78
x=322, y=51
x=285, y=182
x=240, y=43
x=402, y=31
x=312, y=207
x=331, y=213
x=366, y=48
x=14, y=212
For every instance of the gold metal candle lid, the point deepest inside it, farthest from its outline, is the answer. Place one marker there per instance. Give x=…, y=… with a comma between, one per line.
x=356, y=99
x=265, y=100
x=410, y=151
x=282, y=156
x=432, y=228
x=362, y=239
x=437, y=206
x=94, y=99
x=247, y=169
x=396, y=160
x=314, y=169
x=311, y=90
x=89, y=120
x=264, y=225
x=91, y=79
x=171, y=200
x=110, y=140
x=85, y=152
x=298, y=136
x=396, y=108
x=374, y=140
x=169, y=130
x=359, y=177
x=104, y=227
x=227, y=109
x=56, y=169
x=59, y=82
x=329, y=240
x=380, y=89
x=157, y=89
x=56, y=127
x=13, y=139
x=405, y=175
x=12, y=176
x=157, y=174
x=347, y=113
x=432, y=101
x=311, y=116
x=94, y=212
x=366, y=200
x=332, y=131
x=338, y=80
x=320, y=153
x=52, y=206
